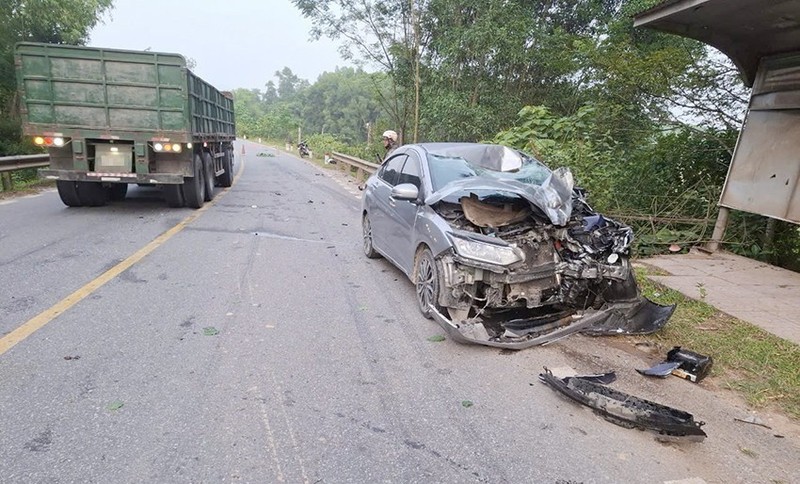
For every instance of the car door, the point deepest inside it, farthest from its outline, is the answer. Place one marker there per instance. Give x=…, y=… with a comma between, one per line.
x=403, y=216
x=380, y=212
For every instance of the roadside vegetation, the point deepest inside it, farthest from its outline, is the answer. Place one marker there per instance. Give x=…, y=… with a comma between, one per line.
x=631, y=111
x=22, y=182
x=762, y=367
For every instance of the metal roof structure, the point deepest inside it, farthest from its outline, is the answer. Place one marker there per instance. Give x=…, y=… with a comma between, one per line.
x=744, y=30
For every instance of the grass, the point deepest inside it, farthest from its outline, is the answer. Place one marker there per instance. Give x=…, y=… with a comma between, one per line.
x=762, y=367
x=25, y=187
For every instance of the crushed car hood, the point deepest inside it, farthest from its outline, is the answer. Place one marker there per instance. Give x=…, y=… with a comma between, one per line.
x=553, y=197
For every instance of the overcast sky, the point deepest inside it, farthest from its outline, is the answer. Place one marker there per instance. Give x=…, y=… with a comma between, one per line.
x=236, y=43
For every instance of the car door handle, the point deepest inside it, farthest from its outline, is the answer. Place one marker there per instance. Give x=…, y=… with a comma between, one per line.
x=392, y=202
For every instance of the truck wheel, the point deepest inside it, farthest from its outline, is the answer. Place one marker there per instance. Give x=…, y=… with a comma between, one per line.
x=92, y=194
x=194, y=188
x=117, y=192
x=226, y=179
x=68, y=191
x=173, y=194
x=208, y=163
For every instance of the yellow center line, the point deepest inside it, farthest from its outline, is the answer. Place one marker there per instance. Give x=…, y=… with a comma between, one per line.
x=39, y=321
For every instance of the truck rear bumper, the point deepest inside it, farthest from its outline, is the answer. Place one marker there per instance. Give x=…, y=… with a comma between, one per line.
x=149, y=178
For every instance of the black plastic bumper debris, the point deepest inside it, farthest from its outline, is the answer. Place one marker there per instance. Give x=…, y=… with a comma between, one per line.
x=602, y=378
x=661, y=370
x=692, y=366
x=627, y=410
x=682, y=363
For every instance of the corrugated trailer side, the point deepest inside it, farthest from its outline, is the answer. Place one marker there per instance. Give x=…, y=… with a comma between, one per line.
x=90, y=91
x=211, y=111
x=113, y=117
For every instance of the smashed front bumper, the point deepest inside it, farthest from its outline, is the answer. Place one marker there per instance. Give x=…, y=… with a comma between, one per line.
x=641, y=317
x=627, y=410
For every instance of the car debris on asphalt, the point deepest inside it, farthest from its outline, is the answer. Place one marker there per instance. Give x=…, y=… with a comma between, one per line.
x=682, y=363
x=753, y=420
x=625, y=410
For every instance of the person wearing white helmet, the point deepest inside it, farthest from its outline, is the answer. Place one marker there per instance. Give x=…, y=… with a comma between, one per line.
x=389, y=141
x=389, y=144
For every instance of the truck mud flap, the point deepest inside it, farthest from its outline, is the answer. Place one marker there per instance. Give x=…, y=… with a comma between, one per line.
x=627, y=410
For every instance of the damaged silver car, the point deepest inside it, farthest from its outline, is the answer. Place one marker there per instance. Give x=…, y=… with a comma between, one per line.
x=502, y=250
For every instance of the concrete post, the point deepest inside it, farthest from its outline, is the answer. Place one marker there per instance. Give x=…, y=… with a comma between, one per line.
x=719, y=229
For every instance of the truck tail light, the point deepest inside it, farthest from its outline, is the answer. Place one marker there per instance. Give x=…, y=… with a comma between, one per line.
x=49, y=141
x=167, y=147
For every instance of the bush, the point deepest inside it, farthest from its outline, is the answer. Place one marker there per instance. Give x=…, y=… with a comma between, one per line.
x=11, y=141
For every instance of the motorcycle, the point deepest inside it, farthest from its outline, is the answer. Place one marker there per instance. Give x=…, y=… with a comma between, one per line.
x=302, y=148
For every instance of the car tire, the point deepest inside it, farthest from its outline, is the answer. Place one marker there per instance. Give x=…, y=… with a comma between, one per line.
x=366, y=231
x=427, y=282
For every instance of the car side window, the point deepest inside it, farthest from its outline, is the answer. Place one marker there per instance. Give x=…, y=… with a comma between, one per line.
x=390, y=171
x=411, y=172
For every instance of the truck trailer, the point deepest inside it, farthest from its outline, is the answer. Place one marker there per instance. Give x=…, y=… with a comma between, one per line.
x=110, y=118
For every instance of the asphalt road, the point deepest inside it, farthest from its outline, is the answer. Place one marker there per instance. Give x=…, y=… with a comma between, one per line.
x=258, y=344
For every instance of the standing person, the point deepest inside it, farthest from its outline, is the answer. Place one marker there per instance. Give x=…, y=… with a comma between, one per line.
x=389, y=142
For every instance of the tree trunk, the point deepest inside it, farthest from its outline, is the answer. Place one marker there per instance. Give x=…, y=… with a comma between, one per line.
x=416, y=56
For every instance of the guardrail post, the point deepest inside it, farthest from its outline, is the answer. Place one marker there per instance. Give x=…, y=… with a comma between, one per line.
x=7, y=182
x=360, y=174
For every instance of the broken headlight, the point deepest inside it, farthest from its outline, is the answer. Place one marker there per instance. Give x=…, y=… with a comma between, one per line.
x=469, y=248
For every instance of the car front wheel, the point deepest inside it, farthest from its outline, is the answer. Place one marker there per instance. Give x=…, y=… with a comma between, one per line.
x=427, y=281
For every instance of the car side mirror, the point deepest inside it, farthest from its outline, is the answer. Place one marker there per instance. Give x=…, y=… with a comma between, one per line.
x=405, y=191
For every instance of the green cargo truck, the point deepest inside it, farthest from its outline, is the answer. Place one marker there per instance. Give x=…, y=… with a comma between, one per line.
x=110, y=118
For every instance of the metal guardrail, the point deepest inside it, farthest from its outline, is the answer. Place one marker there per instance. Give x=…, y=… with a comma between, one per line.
x=13, y=163
x=347, y=162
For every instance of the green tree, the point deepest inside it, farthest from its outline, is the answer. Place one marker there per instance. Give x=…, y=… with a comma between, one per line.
x=343, y=103
x=249, y=111
x=381, y=33
x=51, y=21
x=289, y=84
x=484, y=60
